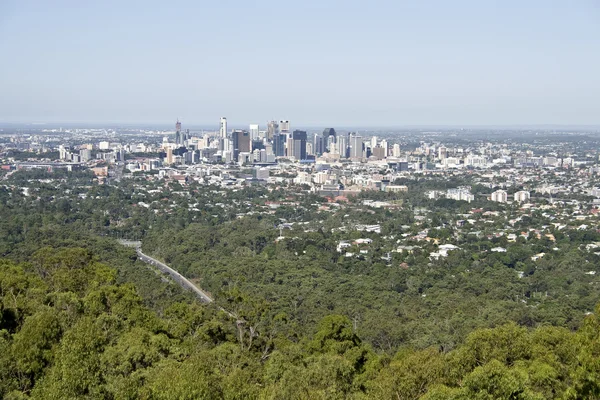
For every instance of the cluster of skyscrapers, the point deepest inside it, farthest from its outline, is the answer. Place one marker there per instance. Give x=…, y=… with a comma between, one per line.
x=277, y=140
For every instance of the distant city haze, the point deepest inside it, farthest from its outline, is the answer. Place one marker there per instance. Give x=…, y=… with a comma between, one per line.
x=329, y=63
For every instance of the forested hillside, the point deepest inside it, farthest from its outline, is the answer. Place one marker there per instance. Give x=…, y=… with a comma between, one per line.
x=68, y=330
x=381, y=318
x=421, y=303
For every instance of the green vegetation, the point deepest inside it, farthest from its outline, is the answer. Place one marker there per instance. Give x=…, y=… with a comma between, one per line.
x=81, y=317
x=68, y=330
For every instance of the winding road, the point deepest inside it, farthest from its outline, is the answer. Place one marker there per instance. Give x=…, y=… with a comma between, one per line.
x=182, y=280
x=177, y=277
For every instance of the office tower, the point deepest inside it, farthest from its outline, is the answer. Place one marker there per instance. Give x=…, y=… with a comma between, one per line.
x=226, y=145
x=257, y=144
x=356, y=146
x=223, y=128
x=85, y=155
x=396, y=150
x=254, y=131
x=342, y=146
x=385, y=145
x=328, y=137
x=284, y=126
x=378, y=152
x=289, y=146
x=241, y=142
x=279, y=144
x=298, y=145
x=318, y=144
x=442, y=153
x=169, y=155
x=373, y=142
x=272, y=129
x=330, y=143
x=178, y=139
x=309, y=149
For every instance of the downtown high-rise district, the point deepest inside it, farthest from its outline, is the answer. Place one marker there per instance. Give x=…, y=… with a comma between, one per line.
x=278, y=140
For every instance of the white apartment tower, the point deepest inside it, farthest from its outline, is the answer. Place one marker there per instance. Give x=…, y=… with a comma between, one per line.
x=254, y=131
x=223, y=128
x=499, y=196
x=521, y=196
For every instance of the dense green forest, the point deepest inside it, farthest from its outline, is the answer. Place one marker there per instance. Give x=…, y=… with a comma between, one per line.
x=421, y=305
x=68, y=330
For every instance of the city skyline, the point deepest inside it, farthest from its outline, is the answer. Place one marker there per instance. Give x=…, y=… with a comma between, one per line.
x=324, y=64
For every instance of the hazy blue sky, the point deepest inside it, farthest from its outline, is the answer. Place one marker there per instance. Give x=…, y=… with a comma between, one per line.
x=347, y=62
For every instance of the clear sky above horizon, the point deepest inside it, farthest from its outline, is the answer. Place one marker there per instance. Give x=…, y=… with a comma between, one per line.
x=328, y=62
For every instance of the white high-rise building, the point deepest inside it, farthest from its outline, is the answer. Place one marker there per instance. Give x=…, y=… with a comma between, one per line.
x=254, y=131
x=373, y=142
x=475, y=161
x=341, y=146
x=223, y=128
x=456, y=194
x=521, y=196
x=62, y=151
x=499, y=196
x=228, y=145
x=385, y=145
x=396, y=150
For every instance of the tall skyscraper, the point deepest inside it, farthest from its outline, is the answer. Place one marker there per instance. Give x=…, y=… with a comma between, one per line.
x=241, y=142
x=328, y=137
x=272, y=129
x=284, y=126
x=254, y=131
x=223, y=128
x=317, y=144
x=356, y=146
x=298, y=140
x=279, y=144
x=385, y=145
x=442, y=153
x=342, y=146
x=178, y=138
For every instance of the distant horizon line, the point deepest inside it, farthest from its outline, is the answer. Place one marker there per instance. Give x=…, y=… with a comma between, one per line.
x=200, y=125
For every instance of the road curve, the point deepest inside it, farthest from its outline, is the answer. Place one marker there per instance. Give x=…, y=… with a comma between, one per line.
x=182, y=280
